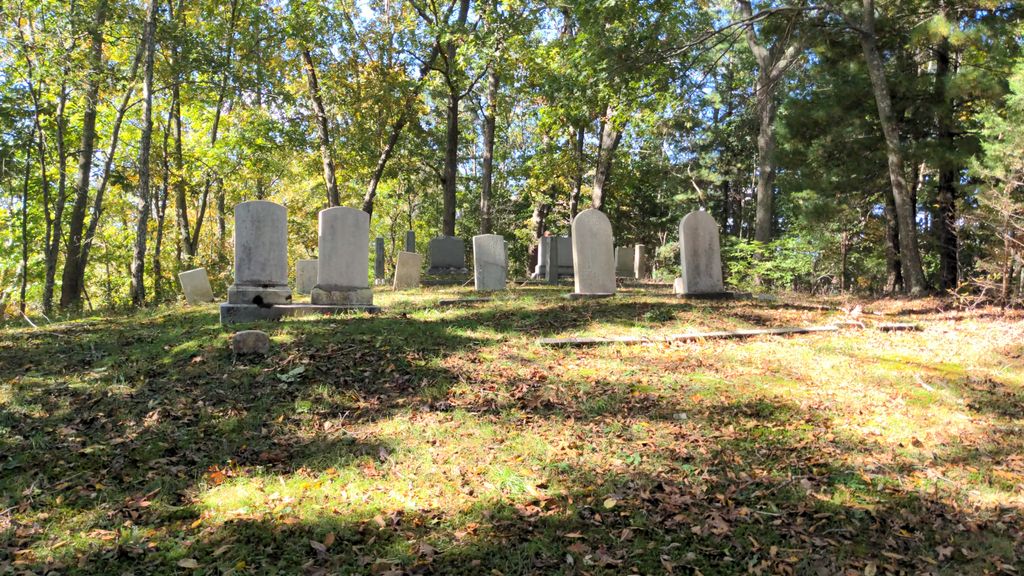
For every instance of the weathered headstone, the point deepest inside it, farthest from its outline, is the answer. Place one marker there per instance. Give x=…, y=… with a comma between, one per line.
x=593, y=254
x=196, y=286
x=261, y=254
x=305, y=276
x=557, y=249
x=410, y=241
x=250, y=342
x=447, y=256
x=407, y=270
x=342, y=277
x=700, y=255
x=640, y=268
x=378, y=260
x=551, y=266
x=490, y=263
x=624, y=256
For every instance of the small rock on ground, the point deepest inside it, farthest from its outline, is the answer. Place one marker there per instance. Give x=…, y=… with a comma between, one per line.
x=250, y=342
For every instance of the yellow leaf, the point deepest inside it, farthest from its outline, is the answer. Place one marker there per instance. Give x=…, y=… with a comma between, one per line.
x=610, y=503
x=188, y=563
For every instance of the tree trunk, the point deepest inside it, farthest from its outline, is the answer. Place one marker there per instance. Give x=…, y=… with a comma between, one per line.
x=910, y=256
x=71, y=289
x=949, y=171
x=610, y=137
x=579, y=136
x=322, y=130
x=539, y=223
x=451, y=163
x=138, y=284
x=894, y=271
x=488, y=160
x=766, y=109
x=24, y=222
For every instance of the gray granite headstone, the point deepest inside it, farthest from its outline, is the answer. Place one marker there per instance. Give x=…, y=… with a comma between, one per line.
x=342, y=277
x=410, y=241
x=407, y=270
x=447, y=256
x=562, y=254
x=624, y=256
x=700, y=255
x=196, y=286
x=593, y=254
x=305, y=276
x=490, y=262
x=261, y=254
x=551, y=266
x=378, y=259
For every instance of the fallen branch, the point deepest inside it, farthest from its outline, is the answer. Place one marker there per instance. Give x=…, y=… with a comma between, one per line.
x=687, y=337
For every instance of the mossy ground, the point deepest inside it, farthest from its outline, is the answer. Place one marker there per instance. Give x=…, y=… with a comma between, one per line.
x=445, y=441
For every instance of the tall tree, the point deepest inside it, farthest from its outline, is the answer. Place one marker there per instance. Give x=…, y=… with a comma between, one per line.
x=71, y=289
x=138, y=284
x=772, y=63
x=322, y=128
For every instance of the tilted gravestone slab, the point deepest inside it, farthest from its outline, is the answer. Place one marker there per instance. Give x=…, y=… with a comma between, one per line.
x=344, y=265
x=593, y=254
x=700, y=255
x=407, y=270
x=490, y=263
x=261, y=254
x=447, y=256
x=196, y=286
x=305, y=276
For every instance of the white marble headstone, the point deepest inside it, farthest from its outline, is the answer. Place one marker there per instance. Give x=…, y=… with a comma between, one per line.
x=343, y=267
x=700, y=255
x=196, y=286
x=490, y=263
x=305, y=276
x=261, y=254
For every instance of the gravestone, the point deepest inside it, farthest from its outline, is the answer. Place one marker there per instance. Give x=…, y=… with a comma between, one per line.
x=305, y=276
x=551, y=266
x=342, y=277
x=410, y=241
x=250, y=342
x=593, y=254
x=557, y=249
x=640, y=270
x=700, y=256
x=378, y=260
x=447, y=256
x=407, y=270
x=196, y=286
x=490, y=263
x=624, y=257
x=261, y=255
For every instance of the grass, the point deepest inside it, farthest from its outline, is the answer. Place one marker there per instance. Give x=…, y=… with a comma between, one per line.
x=444, y=441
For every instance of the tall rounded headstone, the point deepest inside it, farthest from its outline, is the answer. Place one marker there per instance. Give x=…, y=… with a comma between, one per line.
x=343, y=267
x=490, y=263
x=593, y=253
x=700, y=255
x=261, y=254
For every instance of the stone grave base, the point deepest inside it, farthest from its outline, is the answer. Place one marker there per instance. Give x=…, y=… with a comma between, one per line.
x=240, y=313
x=446, y=280
x=595, y=296
x=270, y=295
x=338, y=296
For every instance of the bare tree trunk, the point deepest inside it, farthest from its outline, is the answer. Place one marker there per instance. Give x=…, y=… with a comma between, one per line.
x=949, y=171
x=894, y=271
x=322, y=129
x=24, y=221
x=910, y=255
x=71, y=289
x=488, y=160
x=610, y=138
x=579, y=136
x=451, y=164
x=138, y=284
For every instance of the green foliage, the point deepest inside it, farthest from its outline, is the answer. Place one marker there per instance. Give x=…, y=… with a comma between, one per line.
x=783, y=264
